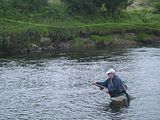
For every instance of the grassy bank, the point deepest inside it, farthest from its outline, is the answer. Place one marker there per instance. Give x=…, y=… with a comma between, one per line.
x=22, y=33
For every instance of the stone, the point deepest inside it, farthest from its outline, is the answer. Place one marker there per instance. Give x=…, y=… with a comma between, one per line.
x=45, y=41
x=35, y=48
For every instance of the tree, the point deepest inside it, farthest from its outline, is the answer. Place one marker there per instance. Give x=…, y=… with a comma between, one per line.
x=28, y=5
x=81, y=6
x=113, y=7
x=4, y=5
x=157, y=7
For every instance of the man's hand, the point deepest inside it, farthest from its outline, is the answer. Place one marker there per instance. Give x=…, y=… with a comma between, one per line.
x=105, y=89
x=94, y=82
x=101, y=87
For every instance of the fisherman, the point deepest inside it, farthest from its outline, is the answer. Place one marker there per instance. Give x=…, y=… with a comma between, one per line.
x=113, y=86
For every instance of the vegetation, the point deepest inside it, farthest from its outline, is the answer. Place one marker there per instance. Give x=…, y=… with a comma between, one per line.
x=143, y=37
x=79, y=43
x=22, y=6
x=105, y=7
x=157, y=8
x=25, y=22
x=100, y=39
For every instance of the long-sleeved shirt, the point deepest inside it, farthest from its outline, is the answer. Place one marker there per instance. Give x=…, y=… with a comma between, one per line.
x=115, y=86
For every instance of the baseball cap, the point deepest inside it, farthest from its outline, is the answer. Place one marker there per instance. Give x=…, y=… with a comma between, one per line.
x=111, y=71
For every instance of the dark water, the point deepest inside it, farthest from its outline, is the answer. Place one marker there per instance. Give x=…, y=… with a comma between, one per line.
x=57, y=86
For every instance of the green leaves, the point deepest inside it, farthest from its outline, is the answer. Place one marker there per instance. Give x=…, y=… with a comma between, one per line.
x=23, y=6
x=110, y=7
x=115, y=7
x=81, y=6
x=157, y=7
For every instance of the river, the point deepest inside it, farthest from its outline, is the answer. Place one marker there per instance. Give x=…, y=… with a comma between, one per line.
x=57, y=86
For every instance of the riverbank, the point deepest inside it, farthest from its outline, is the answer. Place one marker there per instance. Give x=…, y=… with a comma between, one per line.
x=45, y=44
x=22, y=33
x=25, y=37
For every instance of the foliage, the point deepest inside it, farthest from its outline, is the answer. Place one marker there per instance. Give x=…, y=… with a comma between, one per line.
x=58, y=35
x=19, y=7
x=157, y=7
x=112, y=7
x=143, y=37
x=12, y=41
x=104, y=38
x=81, y=6
x=78, y=42
x=28, y=5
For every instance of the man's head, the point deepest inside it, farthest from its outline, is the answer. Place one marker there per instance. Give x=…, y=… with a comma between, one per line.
x=111, y=73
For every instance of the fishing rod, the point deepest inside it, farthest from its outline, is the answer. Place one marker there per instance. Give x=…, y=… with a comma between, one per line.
x=98, y=85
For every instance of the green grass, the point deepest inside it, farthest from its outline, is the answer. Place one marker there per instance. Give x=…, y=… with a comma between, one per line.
x=151, y=22
x=131, y=18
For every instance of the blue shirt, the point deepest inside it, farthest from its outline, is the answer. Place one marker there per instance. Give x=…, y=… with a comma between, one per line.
x=115, y=86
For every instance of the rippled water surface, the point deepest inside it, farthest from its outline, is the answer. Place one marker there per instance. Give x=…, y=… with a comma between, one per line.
x=57, y=86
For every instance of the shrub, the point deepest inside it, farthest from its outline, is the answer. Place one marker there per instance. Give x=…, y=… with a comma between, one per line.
x=112, y=7
x=79, y=43
x=80, y=6
x=106, y=38
x=58, y=35
x=143, y=37
x=157, y=7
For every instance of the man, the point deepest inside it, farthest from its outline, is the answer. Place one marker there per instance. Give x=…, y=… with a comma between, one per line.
x=114, y=86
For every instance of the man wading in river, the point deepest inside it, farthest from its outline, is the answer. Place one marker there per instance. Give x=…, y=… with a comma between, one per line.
x=114, y=87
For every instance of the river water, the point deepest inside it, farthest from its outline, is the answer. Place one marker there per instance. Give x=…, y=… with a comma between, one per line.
x=57, y=86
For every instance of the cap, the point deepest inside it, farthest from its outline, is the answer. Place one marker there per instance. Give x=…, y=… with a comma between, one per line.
x=111, y=71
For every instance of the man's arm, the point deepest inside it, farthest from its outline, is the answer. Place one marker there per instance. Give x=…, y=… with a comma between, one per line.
x=102, y=84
